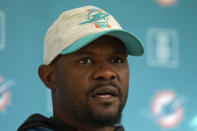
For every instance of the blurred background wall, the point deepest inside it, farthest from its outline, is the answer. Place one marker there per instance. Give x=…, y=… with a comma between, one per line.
x=163, y=83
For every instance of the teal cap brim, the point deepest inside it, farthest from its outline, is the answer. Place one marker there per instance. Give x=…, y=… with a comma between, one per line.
x=133, y=45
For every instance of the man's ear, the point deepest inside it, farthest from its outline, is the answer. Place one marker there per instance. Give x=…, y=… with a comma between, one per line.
x=47, y=75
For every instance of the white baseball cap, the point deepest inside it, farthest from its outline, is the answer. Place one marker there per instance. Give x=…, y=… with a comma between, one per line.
x=78, y=27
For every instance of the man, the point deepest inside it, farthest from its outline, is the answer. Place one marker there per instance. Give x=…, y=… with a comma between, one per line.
x=86, y=69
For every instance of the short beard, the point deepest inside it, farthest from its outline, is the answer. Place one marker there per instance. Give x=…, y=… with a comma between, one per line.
x=88, y=116
x=101, y=121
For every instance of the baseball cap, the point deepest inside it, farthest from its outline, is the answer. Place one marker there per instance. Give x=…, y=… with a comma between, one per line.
x=78, y=27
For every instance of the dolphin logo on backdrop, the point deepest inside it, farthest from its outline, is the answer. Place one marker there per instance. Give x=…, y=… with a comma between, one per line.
x=2, y=30
x=167, y=109
x=5, y=93
x=167, y=2
x=98, y=17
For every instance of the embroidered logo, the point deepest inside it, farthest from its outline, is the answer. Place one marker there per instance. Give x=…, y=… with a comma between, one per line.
x=98, y=17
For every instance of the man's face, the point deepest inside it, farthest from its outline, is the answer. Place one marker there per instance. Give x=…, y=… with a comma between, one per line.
x=92, y=83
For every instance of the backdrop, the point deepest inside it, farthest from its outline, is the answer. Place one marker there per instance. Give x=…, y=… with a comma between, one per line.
x=163, y=84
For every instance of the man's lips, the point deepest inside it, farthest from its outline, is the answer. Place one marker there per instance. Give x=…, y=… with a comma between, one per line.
x=106, y=91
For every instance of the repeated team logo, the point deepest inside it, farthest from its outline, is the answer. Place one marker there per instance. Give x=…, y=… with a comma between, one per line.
x=2, y=30
x=162, y=47
x=5, y=86
x=167, y=2
x=98, y=17
x=167, y=109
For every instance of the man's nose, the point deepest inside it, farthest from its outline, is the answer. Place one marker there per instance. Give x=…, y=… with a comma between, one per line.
x=105, y=72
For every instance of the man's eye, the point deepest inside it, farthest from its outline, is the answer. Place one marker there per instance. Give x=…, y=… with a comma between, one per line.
x=85, y=61
x=117, y=60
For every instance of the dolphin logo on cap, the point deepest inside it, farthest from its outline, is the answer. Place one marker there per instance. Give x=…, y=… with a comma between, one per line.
x=99, y=18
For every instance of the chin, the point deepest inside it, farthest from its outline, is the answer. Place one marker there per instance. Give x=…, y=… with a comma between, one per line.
x=106, y=119
x=107, y=111
x=102, y=116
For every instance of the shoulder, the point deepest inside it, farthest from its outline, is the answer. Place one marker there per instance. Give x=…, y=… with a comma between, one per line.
x=36, y=122
x=40, y=129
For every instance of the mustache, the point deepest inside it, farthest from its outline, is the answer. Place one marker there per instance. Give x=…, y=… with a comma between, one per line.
x=101, y=85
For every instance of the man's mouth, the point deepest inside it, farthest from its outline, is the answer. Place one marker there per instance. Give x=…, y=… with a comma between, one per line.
x=106, y=91
x=106, y=94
